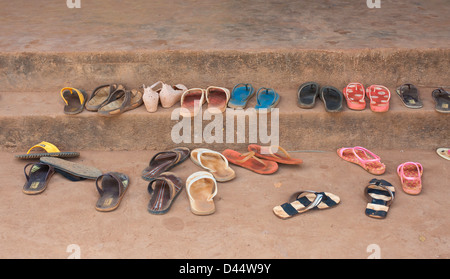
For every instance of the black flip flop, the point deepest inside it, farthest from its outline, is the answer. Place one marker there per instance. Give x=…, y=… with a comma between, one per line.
x=37, y=178
x=74, y=170
x=442, y=100
x=409, y=94
x=332, y=98
x=307, y=94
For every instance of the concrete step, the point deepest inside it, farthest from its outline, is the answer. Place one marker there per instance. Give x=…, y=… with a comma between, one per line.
x=243, y=226
x=29, y=117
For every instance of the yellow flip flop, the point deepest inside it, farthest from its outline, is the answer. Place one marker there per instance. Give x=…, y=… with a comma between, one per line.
x=74, y=103
x=51, y=151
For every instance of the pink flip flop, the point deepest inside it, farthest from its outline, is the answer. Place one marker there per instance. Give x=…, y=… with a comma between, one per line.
x=379, y=98
x=354, y=93
x=362, y=157
x=410, y=174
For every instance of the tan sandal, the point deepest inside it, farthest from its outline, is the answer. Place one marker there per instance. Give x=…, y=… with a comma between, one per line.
x=214, y=162
x=192, y=101
x=201, y=188
x=104, y=94
x=217, y=98
x=130, y=100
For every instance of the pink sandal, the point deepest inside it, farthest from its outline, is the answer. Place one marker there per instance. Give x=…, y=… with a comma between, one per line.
x=410, y=174
x=379, y=98
x=354, y=93
x=362, y=157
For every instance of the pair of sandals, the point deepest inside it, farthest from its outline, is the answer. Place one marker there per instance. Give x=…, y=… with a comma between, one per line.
x=266, y=98
x=380, y=194
x=106, y=100
x=261, y=159
x=111, y=186
x=165, y=94
x=308, y=93
x=378, y=95
x=193, y=99
x=164, y=186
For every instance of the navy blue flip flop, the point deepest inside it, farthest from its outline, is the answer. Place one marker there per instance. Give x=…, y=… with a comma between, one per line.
x=266, y=98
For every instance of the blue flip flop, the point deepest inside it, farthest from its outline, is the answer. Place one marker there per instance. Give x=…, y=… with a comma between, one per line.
x=240, y=95
x=267, y=98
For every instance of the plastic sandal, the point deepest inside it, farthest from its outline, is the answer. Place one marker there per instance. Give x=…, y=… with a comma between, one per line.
x=51, y=151
x=409, y=95
x=240, y=95
x=266, y=152
x=217, y=98
x=112, y=190
x=128, y=101
x=104, y=94
x=381, y=194
x=163, y=191
x=214, y=162
x=355, y=94
x=332, y=98
x=362, y=157
x=201, y=188
x=164, y=161
x=307, y=94
x=250, y=162
x=442, y=100
x=379, y=98
x=72, y=168
x=37, y=178
x=191, y=102
x=304, y=201
x=410, y=174
x=266, y=98
x=74, y=103
x=444, y=153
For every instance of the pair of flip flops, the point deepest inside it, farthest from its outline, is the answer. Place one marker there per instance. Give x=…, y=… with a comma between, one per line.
x=261, y=159
x=266, y=98
x=164, y=186
x=379, y=97
x=308, y=93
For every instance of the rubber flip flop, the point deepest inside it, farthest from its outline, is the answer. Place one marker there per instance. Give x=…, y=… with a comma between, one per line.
x=240, y=95
x=355, y=94
x=112, y=190
x=192, y=101
x=364, y=158
x=251, y=162
x=104, y=94
x=74, y=103
x=214, y=162
x=409, y=94
x=201, y=188
x=307, y=94
x=379, y=98
x=72, y=168
x=50, y=151
x=380, y=194
x=163, y=191
x=442, y=100
x=332, y=98
x=444, y=153
x=410, y=174
x=217, y=99
x=164, y=161
x=37, y=178
x=304, y=201
x=267, y=152
x=266, y=98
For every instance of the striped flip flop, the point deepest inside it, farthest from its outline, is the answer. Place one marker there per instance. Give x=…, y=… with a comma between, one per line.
x=50, y=151
x=381, y=195
x=303, y=201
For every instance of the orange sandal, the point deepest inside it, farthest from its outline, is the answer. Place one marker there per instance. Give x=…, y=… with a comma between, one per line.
x=265, y=152
x=362, y=157
x=250, y=162
x=410, y=174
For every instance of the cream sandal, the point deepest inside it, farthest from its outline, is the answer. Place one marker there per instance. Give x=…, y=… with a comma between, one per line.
x=201, y=188
x=192, y=101
x=214, y=162
x=151, y=97
x=170, y=95
x=217, y=98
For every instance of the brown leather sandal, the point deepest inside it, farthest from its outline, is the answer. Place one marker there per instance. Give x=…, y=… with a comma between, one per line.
x=163, y=191
x=112, y=189
x=164, y=161
x=103, y=95
x=37, y=178
x=128, y=101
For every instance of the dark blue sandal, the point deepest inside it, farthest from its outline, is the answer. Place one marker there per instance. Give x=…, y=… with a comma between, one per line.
x=381, y=195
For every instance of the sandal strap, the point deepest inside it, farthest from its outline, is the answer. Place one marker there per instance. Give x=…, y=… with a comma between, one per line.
x=384, y=184
x=250, y=155
x=269, y=148
x=170, y=185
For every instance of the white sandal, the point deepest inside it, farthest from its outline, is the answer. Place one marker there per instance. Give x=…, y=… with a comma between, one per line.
x=170, y=95
x=151, y=97
x=214, y=162
x=201, y=188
